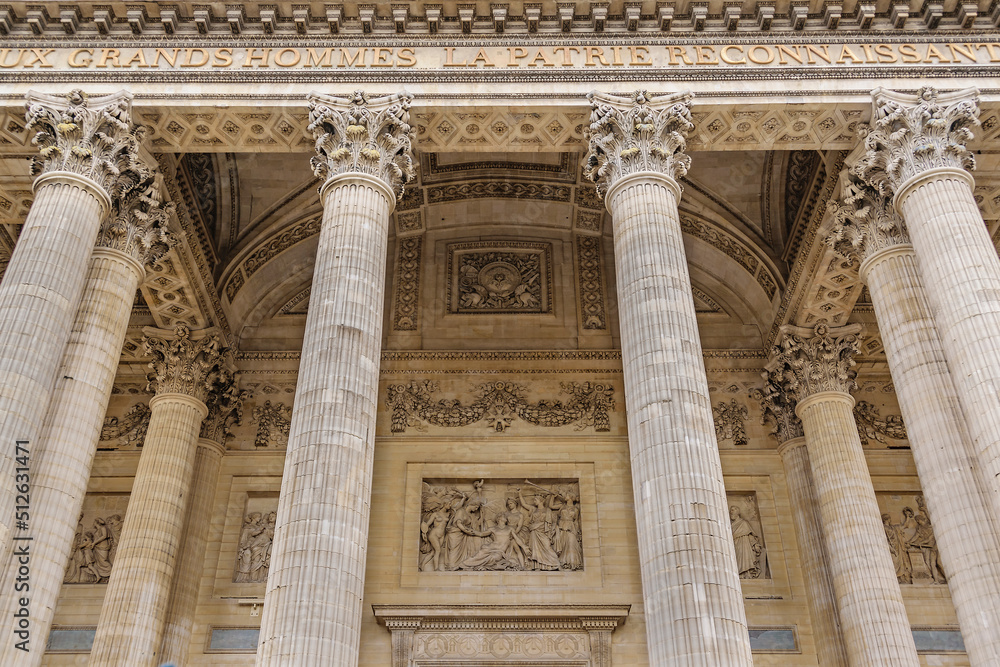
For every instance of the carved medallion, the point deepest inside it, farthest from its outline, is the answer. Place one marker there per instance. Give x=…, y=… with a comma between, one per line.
x=500, y=277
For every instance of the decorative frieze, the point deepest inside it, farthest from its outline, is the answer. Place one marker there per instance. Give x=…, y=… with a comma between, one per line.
x=185, y=365
x=89, y=136
x=497, y=190
x=274, y=421
x=910, y=536
x=129, y=431
x=500, y=277
x=873, y=427
x=500, y=525
x=407, y=298
x=590, y=280
x=748, y=536
x=864, y=220
x=911, y=134
x=805, y=364
x=729, y=418
x=629, y=135
x=362, y=135
x=498, y=404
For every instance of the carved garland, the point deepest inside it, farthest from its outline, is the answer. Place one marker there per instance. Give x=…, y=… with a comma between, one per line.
x=499, y=403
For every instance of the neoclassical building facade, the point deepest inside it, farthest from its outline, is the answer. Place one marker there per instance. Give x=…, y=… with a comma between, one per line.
x=468, y=334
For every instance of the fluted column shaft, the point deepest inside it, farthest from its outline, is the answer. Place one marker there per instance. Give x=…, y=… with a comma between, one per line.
x=827, y=635
x=39, y=296
x=959, y=264
x=691, y=589
x=187, y=580
x=964, y=525
x=130, y=627
x=68, y=439
x=872, y=615
x=312, y=612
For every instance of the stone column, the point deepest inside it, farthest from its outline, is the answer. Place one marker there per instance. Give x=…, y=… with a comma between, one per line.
x=827, y=636
x=916, y=146
x=133, y=235
x=89, y=154
x=868, y=230
x=225, y=410
x=815, y=368
x=187, y=369
x=312, y=609
x=691, y=588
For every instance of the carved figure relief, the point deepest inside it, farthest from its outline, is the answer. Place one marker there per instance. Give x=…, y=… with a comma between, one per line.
x=273, y=423
x=499, y=403
x=95, y=543
x=873, y=427
x=500, y=277
x=253, y=555
x=729, y=419
x=911, y=539
x=129, y=431
x=497, y=525
x=748, y=537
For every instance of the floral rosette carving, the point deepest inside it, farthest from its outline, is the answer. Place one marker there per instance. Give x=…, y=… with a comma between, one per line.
x=183, y=365
x=778, y=408
x=358, y=134
x=90, y=136
x=911, y=134
x=808, y=362
x=637, y=133
x=225, y=410
x=864, y=220
x=138, y=224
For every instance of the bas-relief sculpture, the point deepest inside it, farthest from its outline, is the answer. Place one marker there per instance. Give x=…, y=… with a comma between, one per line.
x=498, y=403
x=911, y=540
x=873, y=428
x=729, y=418
x=500, y=525
x=95, y=543
x=253, y=554
x=500, y=277
x=129, y=431
x=748, y=537
x=274, y=420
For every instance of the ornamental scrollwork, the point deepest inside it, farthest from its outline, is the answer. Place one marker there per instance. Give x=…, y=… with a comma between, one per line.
x=499, y=403
x=90, y=136
x=805, y=364
x=864, y=220
x=137, y=225
x=185, y=365
x=911, y=134
x=130, y=430
x=358, y=134
x=636, y=133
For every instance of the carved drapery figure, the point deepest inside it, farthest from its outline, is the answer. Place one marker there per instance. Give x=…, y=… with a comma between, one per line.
x=94, y=551
x=748, y=545
x=914, y=536
x=253, y=555
x=497, y=526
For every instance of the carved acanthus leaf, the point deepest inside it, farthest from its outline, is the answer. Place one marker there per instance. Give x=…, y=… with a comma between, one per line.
x=864, y=220
x=184, y=365
x=358, y=134
x=636, y=133
x=138, y=224
x=911, y=134
x=225, y=410
x=804, y=364
x=90, y=136
x=777, y=406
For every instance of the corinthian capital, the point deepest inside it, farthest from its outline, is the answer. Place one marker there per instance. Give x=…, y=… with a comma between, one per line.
x=864, y=220
x=777, y=406
x=186, y=362
x=637, y=133
x=807, y=362
x=911, y=134
x=225, y=410
x=90, y=136
x=358, y=134
x=137, y=225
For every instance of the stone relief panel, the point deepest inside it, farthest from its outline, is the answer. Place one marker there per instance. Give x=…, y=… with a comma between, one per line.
x=533, y=646
x=273, y=420
x=499, y=525
x=729, y=422
x=407, y=298
x=591, y=282
x=95, y=543
x=253, y=552
x=126, y=432
x=873, y=429
x=500, y=277
x=910, y=536
x=498, y=404
x=748, y=537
